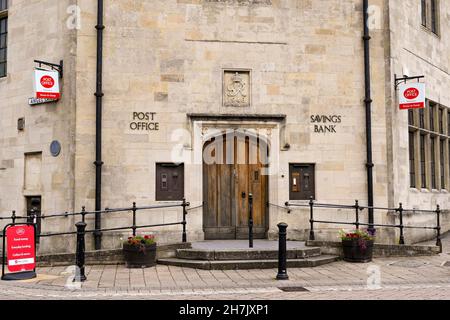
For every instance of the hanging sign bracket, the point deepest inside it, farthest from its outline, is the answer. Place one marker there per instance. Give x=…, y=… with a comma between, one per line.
x=406, y=79
x=56, y=67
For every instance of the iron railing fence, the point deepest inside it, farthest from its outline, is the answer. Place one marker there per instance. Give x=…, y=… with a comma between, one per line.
x=38, y=219
x=358, y=209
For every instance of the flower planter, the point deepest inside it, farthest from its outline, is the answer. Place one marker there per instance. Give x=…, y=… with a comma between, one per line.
x=358, y=250
x=139, y=256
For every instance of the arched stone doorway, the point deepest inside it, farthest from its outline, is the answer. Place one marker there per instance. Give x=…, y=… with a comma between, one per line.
x=234, y=166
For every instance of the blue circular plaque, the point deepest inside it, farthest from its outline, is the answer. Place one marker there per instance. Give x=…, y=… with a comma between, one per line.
x=55, y=148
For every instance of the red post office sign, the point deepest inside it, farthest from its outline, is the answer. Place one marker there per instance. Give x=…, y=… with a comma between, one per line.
x=46, y=84
x=20, y=248
x=412, y=96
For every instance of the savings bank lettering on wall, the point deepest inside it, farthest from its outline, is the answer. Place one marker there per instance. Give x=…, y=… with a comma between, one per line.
x=326, y=123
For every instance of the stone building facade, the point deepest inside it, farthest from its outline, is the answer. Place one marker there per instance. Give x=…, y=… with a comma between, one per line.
x=178, y=75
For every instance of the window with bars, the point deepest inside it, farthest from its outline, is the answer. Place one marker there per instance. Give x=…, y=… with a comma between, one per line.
x=429, y=147
x=3, y=36
x=430, y=15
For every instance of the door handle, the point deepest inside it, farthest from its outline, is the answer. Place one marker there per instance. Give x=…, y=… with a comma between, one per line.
x=244, y=195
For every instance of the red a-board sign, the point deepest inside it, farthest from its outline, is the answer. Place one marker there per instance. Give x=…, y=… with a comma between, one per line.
x=20, y=248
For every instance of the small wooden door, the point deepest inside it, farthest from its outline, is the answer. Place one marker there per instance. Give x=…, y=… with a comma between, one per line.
x=234, y=170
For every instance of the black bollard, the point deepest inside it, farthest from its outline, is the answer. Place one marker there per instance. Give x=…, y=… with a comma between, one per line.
x=80, y=275
x=184, y=205
x=282, y=252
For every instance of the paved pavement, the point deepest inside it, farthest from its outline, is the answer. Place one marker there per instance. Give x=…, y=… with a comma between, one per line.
x=387, y=278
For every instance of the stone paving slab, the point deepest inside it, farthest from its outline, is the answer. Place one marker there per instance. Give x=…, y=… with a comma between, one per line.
x=386, y=279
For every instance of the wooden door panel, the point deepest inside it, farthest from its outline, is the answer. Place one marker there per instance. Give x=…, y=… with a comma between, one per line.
x=224, y=177
x=226, y=211
x=242, y=186
x=253, y=182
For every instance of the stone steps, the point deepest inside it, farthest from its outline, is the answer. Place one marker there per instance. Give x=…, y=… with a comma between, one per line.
x=309, y=262
x=244, y=254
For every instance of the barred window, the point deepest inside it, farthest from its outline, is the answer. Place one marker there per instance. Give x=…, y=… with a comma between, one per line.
x=428, y=143
x=3, y=36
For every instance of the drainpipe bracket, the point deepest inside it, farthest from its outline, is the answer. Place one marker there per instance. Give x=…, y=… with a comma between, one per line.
x=98, y=163
x=370, y=165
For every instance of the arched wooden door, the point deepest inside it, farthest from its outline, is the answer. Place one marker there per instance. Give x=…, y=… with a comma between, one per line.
x=234, y=167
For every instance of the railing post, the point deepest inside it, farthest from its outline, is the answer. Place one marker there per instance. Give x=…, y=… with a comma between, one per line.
x=282, y=252
x=134, y=219
x=250, y=220
x=311, y=219
x=13, y=217
x=83, y=214
x=184, y=205
x=33, y=215
x=438, y=228
x=357, y=214
x=80, y=258
x=33, y=220
x=400, y=211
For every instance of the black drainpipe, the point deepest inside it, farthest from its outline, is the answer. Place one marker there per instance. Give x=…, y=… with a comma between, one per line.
x=98, y=128
x=368, y=103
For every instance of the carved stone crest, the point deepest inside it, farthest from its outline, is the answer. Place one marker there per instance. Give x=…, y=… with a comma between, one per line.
x=236, y=88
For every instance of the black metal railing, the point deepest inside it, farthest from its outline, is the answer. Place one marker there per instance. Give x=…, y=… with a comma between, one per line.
x=81, y=226
x=134, y=209
x=357, y=222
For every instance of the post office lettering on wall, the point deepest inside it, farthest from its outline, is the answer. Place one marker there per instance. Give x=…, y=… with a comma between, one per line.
x=144, y=121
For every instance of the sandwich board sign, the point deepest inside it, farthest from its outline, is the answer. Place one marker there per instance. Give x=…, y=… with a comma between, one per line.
x=19, y=244
x=46, y=84
x=412, y=96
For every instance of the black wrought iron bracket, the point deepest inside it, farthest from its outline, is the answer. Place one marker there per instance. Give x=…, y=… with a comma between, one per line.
x=405, y=78
x=56, y=67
